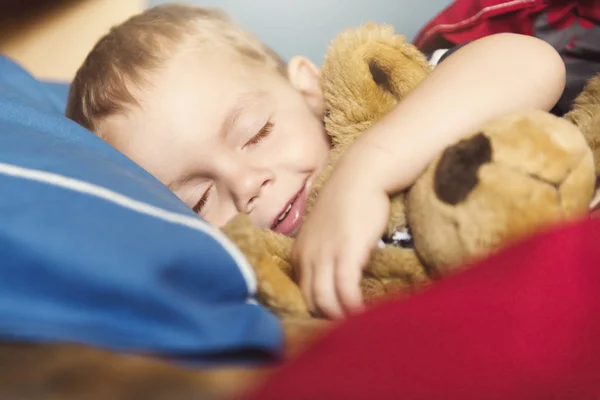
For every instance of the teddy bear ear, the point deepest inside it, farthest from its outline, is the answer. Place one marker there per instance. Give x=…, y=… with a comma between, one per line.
x=366, y=70
x=395, y=66
x=381, y=77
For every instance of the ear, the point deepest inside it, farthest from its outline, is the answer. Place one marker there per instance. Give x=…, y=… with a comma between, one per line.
x=304, y=77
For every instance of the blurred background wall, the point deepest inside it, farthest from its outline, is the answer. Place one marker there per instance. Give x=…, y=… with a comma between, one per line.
x=305, y=27
x=51, y=37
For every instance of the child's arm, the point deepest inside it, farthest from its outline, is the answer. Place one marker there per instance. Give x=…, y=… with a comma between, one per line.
x=482, y=80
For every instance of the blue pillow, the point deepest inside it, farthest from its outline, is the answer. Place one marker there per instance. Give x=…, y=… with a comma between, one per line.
x=95, y=250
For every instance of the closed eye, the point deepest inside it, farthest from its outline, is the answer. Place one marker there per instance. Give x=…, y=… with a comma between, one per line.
x=202, y=202
x=263, y=133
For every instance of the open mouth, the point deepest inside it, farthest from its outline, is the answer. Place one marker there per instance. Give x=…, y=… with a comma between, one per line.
x=290, y=217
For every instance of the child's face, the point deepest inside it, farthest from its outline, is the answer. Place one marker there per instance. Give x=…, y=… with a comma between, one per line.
x=228, y=138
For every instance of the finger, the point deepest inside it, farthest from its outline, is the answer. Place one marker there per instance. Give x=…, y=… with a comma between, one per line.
x=324, y=293
x=306, y=286
x=347, y=278
x=304, y=275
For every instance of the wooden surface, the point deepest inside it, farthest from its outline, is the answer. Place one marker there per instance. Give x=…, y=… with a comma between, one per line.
x=63, y=371
x=71, y=372
x=52, y=38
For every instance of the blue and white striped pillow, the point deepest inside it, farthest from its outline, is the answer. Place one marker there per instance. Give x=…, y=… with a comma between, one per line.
x=95, y=250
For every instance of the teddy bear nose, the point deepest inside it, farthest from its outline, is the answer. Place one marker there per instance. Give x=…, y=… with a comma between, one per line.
x=456, y=173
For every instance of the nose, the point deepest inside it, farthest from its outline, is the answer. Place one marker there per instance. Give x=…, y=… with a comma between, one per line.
x=247, y=185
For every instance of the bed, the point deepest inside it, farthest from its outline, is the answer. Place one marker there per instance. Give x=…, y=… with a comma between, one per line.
x=94, y=251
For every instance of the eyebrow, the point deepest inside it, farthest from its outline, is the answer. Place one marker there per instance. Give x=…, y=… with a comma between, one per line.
x=245, y=100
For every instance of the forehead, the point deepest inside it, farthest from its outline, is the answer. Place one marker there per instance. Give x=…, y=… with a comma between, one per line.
x=198, y=80
x=188, y=99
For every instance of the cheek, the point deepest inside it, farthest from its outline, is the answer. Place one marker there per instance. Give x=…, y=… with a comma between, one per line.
x=307, y=147
x=222, y=214
x=302, y=138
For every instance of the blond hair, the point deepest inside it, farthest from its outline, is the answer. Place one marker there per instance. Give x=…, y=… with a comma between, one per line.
x=122, y=60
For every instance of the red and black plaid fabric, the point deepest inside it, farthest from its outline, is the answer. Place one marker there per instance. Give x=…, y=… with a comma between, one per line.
x=571, y=27
x=467, y=20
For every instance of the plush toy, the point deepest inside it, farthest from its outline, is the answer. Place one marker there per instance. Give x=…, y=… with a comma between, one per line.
x=516, y=175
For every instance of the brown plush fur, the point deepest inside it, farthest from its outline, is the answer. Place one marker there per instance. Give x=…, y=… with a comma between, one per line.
x=586, y=115
x=517, y=175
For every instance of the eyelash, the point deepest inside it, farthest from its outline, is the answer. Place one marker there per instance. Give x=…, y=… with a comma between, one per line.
x=263, y=133
x=202, y=202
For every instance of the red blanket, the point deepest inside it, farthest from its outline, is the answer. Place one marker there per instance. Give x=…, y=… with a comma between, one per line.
x=524, y=324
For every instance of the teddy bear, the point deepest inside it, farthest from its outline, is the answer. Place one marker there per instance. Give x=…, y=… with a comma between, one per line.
x=516, y=175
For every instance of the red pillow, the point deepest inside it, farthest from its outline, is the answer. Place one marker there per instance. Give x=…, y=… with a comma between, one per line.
x=523, y=324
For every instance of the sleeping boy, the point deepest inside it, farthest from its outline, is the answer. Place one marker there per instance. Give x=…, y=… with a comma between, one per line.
x=230, y=127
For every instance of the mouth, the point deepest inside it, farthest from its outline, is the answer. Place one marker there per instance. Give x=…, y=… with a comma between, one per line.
x=289, y=218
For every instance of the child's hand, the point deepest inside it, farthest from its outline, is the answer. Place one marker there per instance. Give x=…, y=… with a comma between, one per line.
x=335, y=241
